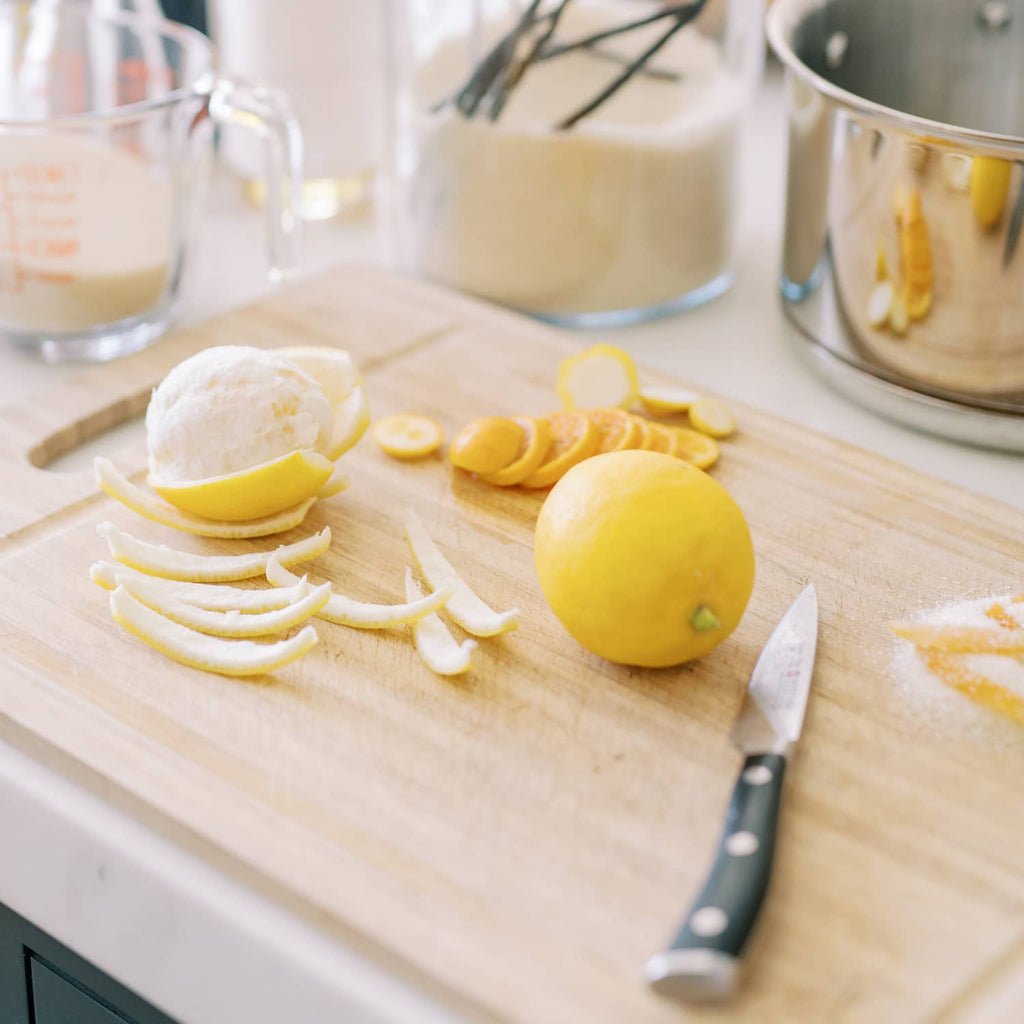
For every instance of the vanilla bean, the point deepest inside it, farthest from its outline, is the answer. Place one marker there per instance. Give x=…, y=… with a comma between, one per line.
x=469, y=98
x=514, y=72
x=614, y=58
x=690, y=10
x=616, y=84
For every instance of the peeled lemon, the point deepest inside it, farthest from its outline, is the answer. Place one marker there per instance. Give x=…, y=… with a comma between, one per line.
x=237, y=433
x=645, y=559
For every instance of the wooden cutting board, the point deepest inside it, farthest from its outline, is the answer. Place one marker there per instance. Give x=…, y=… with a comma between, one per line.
x=519, y=840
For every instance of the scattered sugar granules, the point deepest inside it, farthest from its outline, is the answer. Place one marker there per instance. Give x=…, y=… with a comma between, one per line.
x=984, y=680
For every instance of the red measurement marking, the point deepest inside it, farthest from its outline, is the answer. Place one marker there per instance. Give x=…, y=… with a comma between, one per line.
x=53, y=277
x=46, y=174
x=51, y=248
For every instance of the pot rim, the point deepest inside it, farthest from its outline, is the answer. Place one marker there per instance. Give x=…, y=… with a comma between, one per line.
x=782, y=19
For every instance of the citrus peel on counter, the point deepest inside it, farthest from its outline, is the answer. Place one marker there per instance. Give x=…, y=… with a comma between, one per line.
x=434, y=643
x=981, y=661
x=118, y=486
x=172, y=564
x=198, y=650
x=464, y=606
x=231, y=623
x=358, y=614
x=215, y=597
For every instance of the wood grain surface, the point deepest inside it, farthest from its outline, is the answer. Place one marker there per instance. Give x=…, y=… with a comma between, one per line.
x=519, y=840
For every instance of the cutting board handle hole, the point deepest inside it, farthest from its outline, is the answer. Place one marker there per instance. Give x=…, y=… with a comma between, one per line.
x=101, y=432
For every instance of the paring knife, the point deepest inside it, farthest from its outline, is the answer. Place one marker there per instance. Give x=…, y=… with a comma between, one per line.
x=702, y=962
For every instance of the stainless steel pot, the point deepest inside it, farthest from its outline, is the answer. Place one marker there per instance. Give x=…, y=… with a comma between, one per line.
x=903, y=262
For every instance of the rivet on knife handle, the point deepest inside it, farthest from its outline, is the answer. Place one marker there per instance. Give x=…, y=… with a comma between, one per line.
x=701, y=963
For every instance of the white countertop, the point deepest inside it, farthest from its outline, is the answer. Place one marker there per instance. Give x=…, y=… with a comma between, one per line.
x=97, y=880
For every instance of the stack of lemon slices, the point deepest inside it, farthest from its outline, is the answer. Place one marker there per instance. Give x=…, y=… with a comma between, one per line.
x=184, y=604
x=598, y=388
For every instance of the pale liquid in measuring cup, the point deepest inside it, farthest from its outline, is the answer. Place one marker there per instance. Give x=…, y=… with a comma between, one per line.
x=85, y=233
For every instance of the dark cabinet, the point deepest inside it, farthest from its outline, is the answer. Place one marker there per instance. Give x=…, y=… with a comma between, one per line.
x=43, y=982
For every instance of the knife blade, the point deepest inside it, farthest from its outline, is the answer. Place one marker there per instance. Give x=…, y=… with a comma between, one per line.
x=702, y=962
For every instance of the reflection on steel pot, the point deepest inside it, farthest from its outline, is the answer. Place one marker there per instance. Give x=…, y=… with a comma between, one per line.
x=905, y=195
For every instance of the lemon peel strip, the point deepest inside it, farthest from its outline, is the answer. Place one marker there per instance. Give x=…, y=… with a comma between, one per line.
x=347, y=612
x=230, y=623
x=464, y=606
x=214, y=597
x=337, y=483
x=172, y=564
x=118, y=486
x=961, y=639
x=434, y=644
x=209, y=653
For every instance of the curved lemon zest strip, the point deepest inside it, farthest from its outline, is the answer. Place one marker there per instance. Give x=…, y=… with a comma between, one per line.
x=434, y=644
x=603, y=376
x=171, y=564
x=358, y=614
x=406, y=435
x=263, y=490
x=118, y=486
x=351, y=418
x=214, y=597
x=228, y=624
x=665, y=401
x=961, y=639
x=338, y=482
x=468, y=610
x=212, y=654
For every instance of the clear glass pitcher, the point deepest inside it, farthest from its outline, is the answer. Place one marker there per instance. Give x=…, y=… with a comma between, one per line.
x=106, y=122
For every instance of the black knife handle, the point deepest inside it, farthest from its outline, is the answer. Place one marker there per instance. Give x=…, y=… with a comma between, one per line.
x=701, y=963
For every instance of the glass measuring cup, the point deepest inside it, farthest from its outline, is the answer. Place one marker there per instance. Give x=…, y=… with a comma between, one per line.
x=105, y=141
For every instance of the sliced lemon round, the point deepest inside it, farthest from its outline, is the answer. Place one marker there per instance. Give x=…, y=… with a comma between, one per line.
x=358, y=614
x=710, y=417
x=406, y=435
x=212, y=654
x=169, y=563
x=646, y=428
x=118, y=486
x=486, y=445
x=602, y=377
x=532, y=449
x=694, y=447
x=231, y=623
x=215, y=597
x=435, y=645
x=252, y=493
x=617, y=431
x=662, y=440
x=667, y=401
x=573, y=439
x=468, y=610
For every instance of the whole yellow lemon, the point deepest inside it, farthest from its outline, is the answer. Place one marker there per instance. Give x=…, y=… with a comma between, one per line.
x=645, y=559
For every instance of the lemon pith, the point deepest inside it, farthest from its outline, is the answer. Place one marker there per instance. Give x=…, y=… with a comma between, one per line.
x=631, y=547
